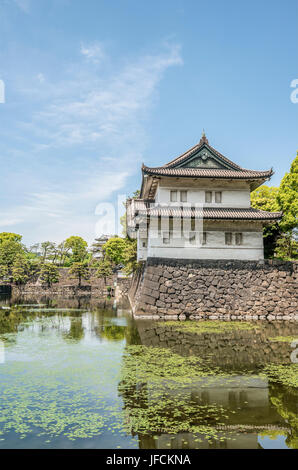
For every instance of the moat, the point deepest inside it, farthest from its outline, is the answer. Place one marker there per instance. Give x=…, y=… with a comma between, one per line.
x=81, y=374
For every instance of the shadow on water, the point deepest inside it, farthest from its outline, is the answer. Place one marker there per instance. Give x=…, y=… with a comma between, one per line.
x=81, y=373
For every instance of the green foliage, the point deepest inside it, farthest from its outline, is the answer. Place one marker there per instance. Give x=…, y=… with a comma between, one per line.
x=287, y=198
x=114, y=249
x=105, y=268
x=3, y=272
x=21, y=270
x=130, y=256
x=283, y=339
x=279, y=240
x=284, y=374
x=79, y=270
x=78, y=247
x=9, y=236
x=49, y=274
x=265, y=198
x=47, y=251
x=113, y=332
x=122, y=251
x=209, y=326
x=286, y=247
x=10, y=247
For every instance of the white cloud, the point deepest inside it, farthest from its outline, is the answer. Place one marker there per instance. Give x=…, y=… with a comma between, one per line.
x=55, y=215
x=7, y=222
x=93, y=52
x=108, y=108
x=99, y=123
x=40, y=77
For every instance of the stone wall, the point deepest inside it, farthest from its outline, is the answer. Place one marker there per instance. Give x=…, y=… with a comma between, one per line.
x=231, y=349
x=68, y=287
x=216, y=289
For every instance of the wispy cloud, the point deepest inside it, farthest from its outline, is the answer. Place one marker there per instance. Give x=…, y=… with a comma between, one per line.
x=91, y=128
x=94, y=52
x=40, y=77
x=110, y=107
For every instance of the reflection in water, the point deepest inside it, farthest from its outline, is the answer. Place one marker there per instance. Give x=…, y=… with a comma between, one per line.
x=83, y=374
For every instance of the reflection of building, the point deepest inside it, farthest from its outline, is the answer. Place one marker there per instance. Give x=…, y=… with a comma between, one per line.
x=245, y=404
x=197, y=206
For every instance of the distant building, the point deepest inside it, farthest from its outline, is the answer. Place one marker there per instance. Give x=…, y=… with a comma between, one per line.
x=96, y=247
x=197, y=206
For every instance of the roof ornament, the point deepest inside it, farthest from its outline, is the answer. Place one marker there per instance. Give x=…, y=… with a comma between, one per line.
x=204, y=139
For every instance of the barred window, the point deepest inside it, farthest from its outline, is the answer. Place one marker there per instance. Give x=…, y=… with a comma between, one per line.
x=228, y=238
x=208, y=196
x=173, y=196
x=238, y=238
x=217, y=196
x=183, y=196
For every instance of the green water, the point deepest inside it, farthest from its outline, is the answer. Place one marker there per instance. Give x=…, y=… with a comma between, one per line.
x=75, y=374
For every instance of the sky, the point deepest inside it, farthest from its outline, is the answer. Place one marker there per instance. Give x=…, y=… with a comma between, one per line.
x=91, y=89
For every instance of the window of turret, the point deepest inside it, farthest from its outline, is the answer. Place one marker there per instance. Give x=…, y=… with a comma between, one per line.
x=217, y=196
x=228, y=238
x=208, y=196
x=238, y=238
x=183, y=196
x=173, y=196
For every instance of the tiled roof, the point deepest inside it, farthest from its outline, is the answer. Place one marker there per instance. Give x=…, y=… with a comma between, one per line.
x=210, y=213
x=230, y=170
x=195, y=149
x=206, y=172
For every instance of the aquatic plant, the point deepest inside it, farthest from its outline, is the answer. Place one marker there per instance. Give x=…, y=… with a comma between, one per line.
x=209, y=326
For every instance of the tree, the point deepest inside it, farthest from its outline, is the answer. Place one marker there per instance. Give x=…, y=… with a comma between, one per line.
x=265, y=198
x=10, y=247
x=79, y=270
x=62, y=252
x=9, y=236
x=48, y=250
x=105, y=269
x=3, y=272
x=286, y=247
x=21, y=270
x=114, y=249
x=49, y=274
x=78, y=247
x=287, y=198
x=130, y=256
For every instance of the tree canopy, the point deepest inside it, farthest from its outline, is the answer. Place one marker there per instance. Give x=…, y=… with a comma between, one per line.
x=114, y=249
x=287, y=198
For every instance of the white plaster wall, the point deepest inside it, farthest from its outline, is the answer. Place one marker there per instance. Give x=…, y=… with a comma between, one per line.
x=249, y=254
x=230, y=197
x=215, y=248
x=141, y=251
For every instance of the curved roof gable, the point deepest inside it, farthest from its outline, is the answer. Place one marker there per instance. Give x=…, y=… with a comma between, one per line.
x=203, y=161
x=202, y=155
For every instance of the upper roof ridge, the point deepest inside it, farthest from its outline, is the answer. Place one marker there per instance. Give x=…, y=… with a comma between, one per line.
x=203, y=142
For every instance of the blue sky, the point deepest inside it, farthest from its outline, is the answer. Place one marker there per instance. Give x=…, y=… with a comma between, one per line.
x=94, y=88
